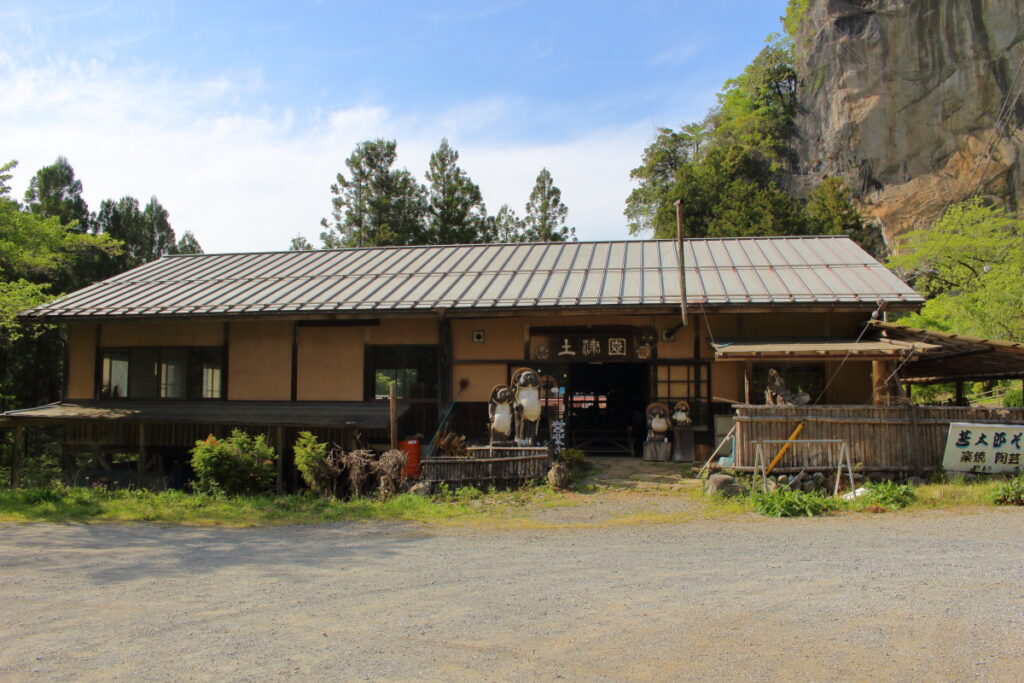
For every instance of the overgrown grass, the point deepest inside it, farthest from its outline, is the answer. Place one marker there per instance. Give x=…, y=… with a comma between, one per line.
x=96, y=505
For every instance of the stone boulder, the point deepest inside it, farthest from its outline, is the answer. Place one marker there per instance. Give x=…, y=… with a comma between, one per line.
x=559, y=476
x=723, y=484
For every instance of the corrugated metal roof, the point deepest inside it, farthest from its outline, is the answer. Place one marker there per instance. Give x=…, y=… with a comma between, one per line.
x=729, y=271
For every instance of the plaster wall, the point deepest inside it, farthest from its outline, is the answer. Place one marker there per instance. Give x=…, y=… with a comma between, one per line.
x=330, y=363
x=81, y=361
x=260, y=361
x=162, y=333
x=482, y=378
x=403, y=331
x=504, y=339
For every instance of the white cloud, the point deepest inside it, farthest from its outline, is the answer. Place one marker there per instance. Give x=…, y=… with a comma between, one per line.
x=244, y=178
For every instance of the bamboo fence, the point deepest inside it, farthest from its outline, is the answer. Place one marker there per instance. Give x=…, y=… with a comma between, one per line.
x=904, y=438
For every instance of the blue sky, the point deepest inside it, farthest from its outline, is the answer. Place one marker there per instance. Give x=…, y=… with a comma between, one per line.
x=237, y=115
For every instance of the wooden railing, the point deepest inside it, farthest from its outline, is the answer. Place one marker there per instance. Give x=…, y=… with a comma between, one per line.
x=881, y=438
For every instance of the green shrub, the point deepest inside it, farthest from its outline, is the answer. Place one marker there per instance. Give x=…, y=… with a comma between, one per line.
x=464, y=494
x=1013, y=399
x=889, y=494
x=319, y=468
x=241, y=463
x=1010, y=492
x=784, y=502
x=576, y=460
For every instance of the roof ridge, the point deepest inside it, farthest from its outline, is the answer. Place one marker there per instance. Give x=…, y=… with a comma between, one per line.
x=396, y=247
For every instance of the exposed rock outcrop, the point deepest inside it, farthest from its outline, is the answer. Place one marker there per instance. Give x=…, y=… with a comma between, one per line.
x=901, y=98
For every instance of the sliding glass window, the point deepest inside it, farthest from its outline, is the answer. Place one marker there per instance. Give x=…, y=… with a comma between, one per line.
x=162, y=373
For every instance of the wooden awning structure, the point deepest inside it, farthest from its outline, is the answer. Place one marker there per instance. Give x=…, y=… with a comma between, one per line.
x=302, y=414
x=817, y=349
x=955, y=357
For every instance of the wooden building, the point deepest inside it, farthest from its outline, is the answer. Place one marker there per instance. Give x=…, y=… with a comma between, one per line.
x=186, y=345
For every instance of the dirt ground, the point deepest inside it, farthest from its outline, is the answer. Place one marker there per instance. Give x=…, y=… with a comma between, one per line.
x=894, y=597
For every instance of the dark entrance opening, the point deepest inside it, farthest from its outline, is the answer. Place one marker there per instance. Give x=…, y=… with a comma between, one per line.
x=601, y=404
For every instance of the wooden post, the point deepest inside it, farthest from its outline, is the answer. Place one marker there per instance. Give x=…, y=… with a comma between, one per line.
x=141, y=465
x=960, y=392
x=393, y=414
x=748, y=368
x=280, y=461
x=879, y=386
x=682, y=260
x=17, y=453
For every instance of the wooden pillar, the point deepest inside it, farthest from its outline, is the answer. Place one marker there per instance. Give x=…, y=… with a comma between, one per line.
x=748, y=370
x=393, y=414
x=879, y=384
x=17, y=454
x=280, y=461
x=960, y=392
x=444, y=365
x=141, y=464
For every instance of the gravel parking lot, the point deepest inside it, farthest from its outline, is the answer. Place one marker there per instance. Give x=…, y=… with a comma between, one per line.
x=901, y=597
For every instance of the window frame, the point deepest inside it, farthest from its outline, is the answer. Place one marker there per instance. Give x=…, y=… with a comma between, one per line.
x=370, y=371
x=191, y=353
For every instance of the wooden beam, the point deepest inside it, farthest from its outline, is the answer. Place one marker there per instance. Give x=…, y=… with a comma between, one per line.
x=748, y=371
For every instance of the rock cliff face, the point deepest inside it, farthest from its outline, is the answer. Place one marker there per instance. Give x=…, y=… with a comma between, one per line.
x=913, y=102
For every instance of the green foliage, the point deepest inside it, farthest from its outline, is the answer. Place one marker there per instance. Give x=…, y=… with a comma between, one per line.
x=1013, y=399
x=889, y=495
x=791, y=20
x=455, y=208
x=55, y=192
x=784, y=502
x=146, y=233
x=242, y=463
x=506, y=226
x=300, y=243
x=971, y=264
x=311, y=459
x=576, y=460
x=1010, y=492
x=830, y=211
x=465, y=494
x=375, y=205
x=188, y=244
x=545, y=213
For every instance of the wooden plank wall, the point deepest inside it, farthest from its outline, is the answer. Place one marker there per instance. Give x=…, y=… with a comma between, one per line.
x=897, y=438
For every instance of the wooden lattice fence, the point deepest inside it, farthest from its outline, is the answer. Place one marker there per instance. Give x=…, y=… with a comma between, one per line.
x=488, y=466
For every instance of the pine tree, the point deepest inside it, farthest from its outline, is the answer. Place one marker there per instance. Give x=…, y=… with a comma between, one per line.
x=545, y=213
x=376, y=205
x=455, y=212
x=54, y=191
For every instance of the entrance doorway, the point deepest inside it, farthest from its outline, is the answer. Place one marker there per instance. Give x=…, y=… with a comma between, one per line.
x=601, y=404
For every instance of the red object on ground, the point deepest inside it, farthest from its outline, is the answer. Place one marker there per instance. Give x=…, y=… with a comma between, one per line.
x=412, y=464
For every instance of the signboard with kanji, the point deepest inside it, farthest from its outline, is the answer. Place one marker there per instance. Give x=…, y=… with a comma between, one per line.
x=595, y=346
x=983, y=448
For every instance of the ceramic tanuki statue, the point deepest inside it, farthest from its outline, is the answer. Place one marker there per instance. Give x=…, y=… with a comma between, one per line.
x=526, y=384
x=499, y=410
x=658, y=423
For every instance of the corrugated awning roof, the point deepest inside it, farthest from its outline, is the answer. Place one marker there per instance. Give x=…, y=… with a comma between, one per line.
x=810, y=349
x=364, y=415
x=727, y=272
x=955, y=356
